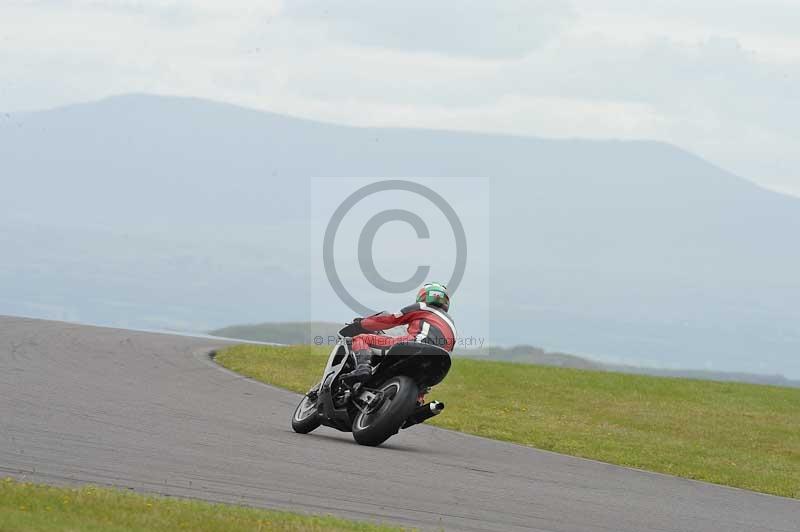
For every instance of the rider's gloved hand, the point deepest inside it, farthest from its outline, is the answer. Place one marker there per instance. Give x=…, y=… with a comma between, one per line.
x=353, y=329
x=357, y=324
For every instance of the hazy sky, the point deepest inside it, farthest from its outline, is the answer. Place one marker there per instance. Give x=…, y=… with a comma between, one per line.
x=721, y=78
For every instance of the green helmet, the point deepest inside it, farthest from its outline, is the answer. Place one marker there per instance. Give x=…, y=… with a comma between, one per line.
x=434, y=294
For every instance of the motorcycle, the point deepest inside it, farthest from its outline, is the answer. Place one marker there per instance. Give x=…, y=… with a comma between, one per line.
x=391, y=399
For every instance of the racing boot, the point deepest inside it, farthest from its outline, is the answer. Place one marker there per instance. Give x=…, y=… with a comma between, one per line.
x=363, y=369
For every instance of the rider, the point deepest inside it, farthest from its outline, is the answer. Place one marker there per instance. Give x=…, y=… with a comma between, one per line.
x=427, y=322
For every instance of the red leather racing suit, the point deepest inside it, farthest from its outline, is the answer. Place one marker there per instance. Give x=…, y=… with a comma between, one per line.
x=425, y=323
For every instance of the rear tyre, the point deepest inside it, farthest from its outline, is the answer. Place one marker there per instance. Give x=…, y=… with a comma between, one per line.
x=305, y=417
x=400, y=399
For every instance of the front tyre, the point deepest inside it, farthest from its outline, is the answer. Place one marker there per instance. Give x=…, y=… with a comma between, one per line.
x=305, y=417
x=399, y=400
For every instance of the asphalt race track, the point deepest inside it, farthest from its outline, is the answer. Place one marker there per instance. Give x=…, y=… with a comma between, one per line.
x=152, y=412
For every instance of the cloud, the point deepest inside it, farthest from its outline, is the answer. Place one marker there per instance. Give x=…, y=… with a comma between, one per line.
x=771, y=16
x=476, y=28
x=168, y=12
x=603, y=68
x=716, y=79
x=712, y=96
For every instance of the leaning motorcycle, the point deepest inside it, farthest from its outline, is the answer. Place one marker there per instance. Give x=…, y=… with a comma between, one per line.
x=391, y=399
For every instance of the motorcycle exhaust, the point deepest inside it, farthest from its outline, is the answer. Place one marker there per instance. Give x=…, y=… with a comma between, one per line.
x=434, y=408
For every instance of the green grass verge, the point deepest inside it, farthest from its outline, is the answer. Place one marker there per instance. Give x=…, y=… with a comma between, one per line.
x=28, y=507
x=741, y=435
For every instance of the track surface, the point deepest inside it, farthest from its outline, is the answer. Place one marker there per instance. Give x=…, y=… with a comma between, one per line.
x=153, y=413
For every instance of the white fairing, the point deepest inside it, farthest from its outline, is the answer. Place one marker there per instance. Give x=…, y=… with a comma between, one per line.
x=332, y=370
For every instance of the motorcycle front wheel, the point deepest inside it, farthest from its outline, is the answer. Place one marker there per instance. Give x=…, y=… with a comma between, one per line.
x=305, y=417
x=399, y=400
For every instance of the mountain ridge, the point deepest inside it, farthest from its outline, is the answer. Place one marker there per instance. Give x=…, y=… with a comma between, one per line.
x=632, y=249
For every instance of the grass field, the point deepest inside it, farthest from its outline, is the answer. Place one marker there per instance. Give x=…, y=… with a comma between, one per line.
x=28, y=507
x=741, y=435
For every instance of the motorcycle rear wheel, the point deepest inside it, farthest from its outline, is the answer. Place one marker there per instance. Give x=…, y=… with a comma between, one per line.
x=400, y=399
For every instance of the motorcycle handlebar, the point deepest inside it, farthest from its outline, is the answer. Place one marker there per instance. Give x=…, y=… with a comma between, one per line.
x=354, y=329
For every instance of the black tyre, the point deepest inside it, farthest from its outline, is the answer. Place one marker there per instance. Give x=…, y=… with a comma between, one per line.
x=400, y=399
x=305, y=417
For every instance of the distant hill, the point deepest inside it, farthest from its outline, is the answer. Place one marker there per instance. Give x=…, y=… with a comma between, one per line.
x=180, y=213
x=528, y=354
x=752, y=378
x=305, y=332
x=281, y=333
